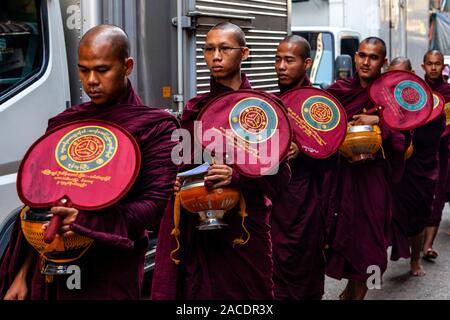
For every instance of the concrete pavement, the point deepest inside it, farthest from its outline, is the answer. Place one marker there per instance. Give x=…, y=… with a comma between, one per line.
x=399, y=285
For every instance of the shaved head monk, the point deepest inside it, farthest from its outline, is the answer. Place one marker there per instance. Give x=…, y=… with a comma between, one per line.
x=292, y=61
x=299, y=213
x=433, y=65
x=358, y=235
x=400, y=63
x=113, y=267
x=413, y=194
x=104, y=51
x=211, y=264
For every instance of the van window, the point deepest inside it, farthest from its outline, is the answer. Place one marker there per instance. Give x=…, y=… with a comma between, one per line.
x=322, y=52
x=350, y=46
x=21, y=45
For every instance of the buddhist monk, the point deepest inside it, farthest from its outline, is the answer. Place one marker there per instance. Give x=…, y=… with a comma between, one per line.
x=299, y=213
x=292, y=61
x=433, y=65
x=413, y=194
x=113, y=267
x=209, y=265
x=358, y=238
x=401, y=63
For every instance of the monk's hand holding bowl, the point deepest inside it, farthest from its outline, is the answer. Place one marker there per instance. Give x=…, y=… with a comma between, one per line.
x=293, y=151
x=218, y=175
x=177, y=185
x=364, y=119
x=68, y=216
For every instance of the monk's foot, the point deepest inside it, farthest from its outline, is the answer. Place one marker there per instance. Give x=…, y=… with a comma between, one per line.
x=430, y=254
x=417, y=270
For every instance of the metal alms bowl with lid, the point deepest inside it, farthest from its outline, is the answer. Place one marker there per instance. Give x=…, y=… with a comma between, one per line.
x=361, y=143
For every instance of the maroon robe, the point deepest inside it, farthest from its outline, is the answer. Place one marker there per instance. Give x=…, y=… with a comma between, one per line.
x=298, y=228
x=441, y=189
x=358, y=237
x=447, y=197
x=113, y=267
x=211, y=268
x=413, y=195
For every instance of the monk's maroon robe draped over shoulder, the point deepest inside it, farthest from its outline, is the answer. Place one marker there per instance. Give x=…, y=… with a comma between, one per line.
x=211, y=268
x=113, y=267
x=441, y=188
x=360, y=226
x=298, y=228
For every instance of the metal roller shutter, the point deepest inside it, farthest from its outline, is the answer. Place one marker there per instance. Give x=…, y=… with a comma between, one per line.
x=265, y=23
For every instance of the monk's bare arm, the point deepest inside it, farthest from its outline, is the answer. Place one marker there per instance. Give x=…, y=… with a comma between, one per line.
x=19, y=288
x=364, y=119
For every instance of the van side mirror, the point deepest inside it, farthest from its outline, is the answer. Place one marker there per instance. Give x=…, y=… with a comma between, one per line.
x=324, y=85
x=343, y=67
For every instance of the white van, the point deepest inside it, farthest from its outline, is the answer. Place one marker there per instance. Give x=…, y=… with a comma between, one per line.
x=327, y=44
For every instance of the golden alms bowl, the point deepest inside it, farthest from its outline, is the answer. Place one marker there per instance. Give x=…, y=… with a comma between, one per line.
x=361, y=143
x=61, y=252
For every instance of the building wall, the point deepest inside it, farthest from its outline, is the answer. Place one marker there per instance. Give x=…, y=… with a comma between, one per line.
x=417, y=29
x=310, y=13
x=363, y=16
x=402, y=24
x=339, y=13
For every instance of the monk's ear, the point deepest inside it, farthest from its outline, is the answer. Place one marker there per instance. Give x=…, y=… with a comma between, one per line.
x=423, y=67
x=308, y=63
x=129, y=64
x=245, y=53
